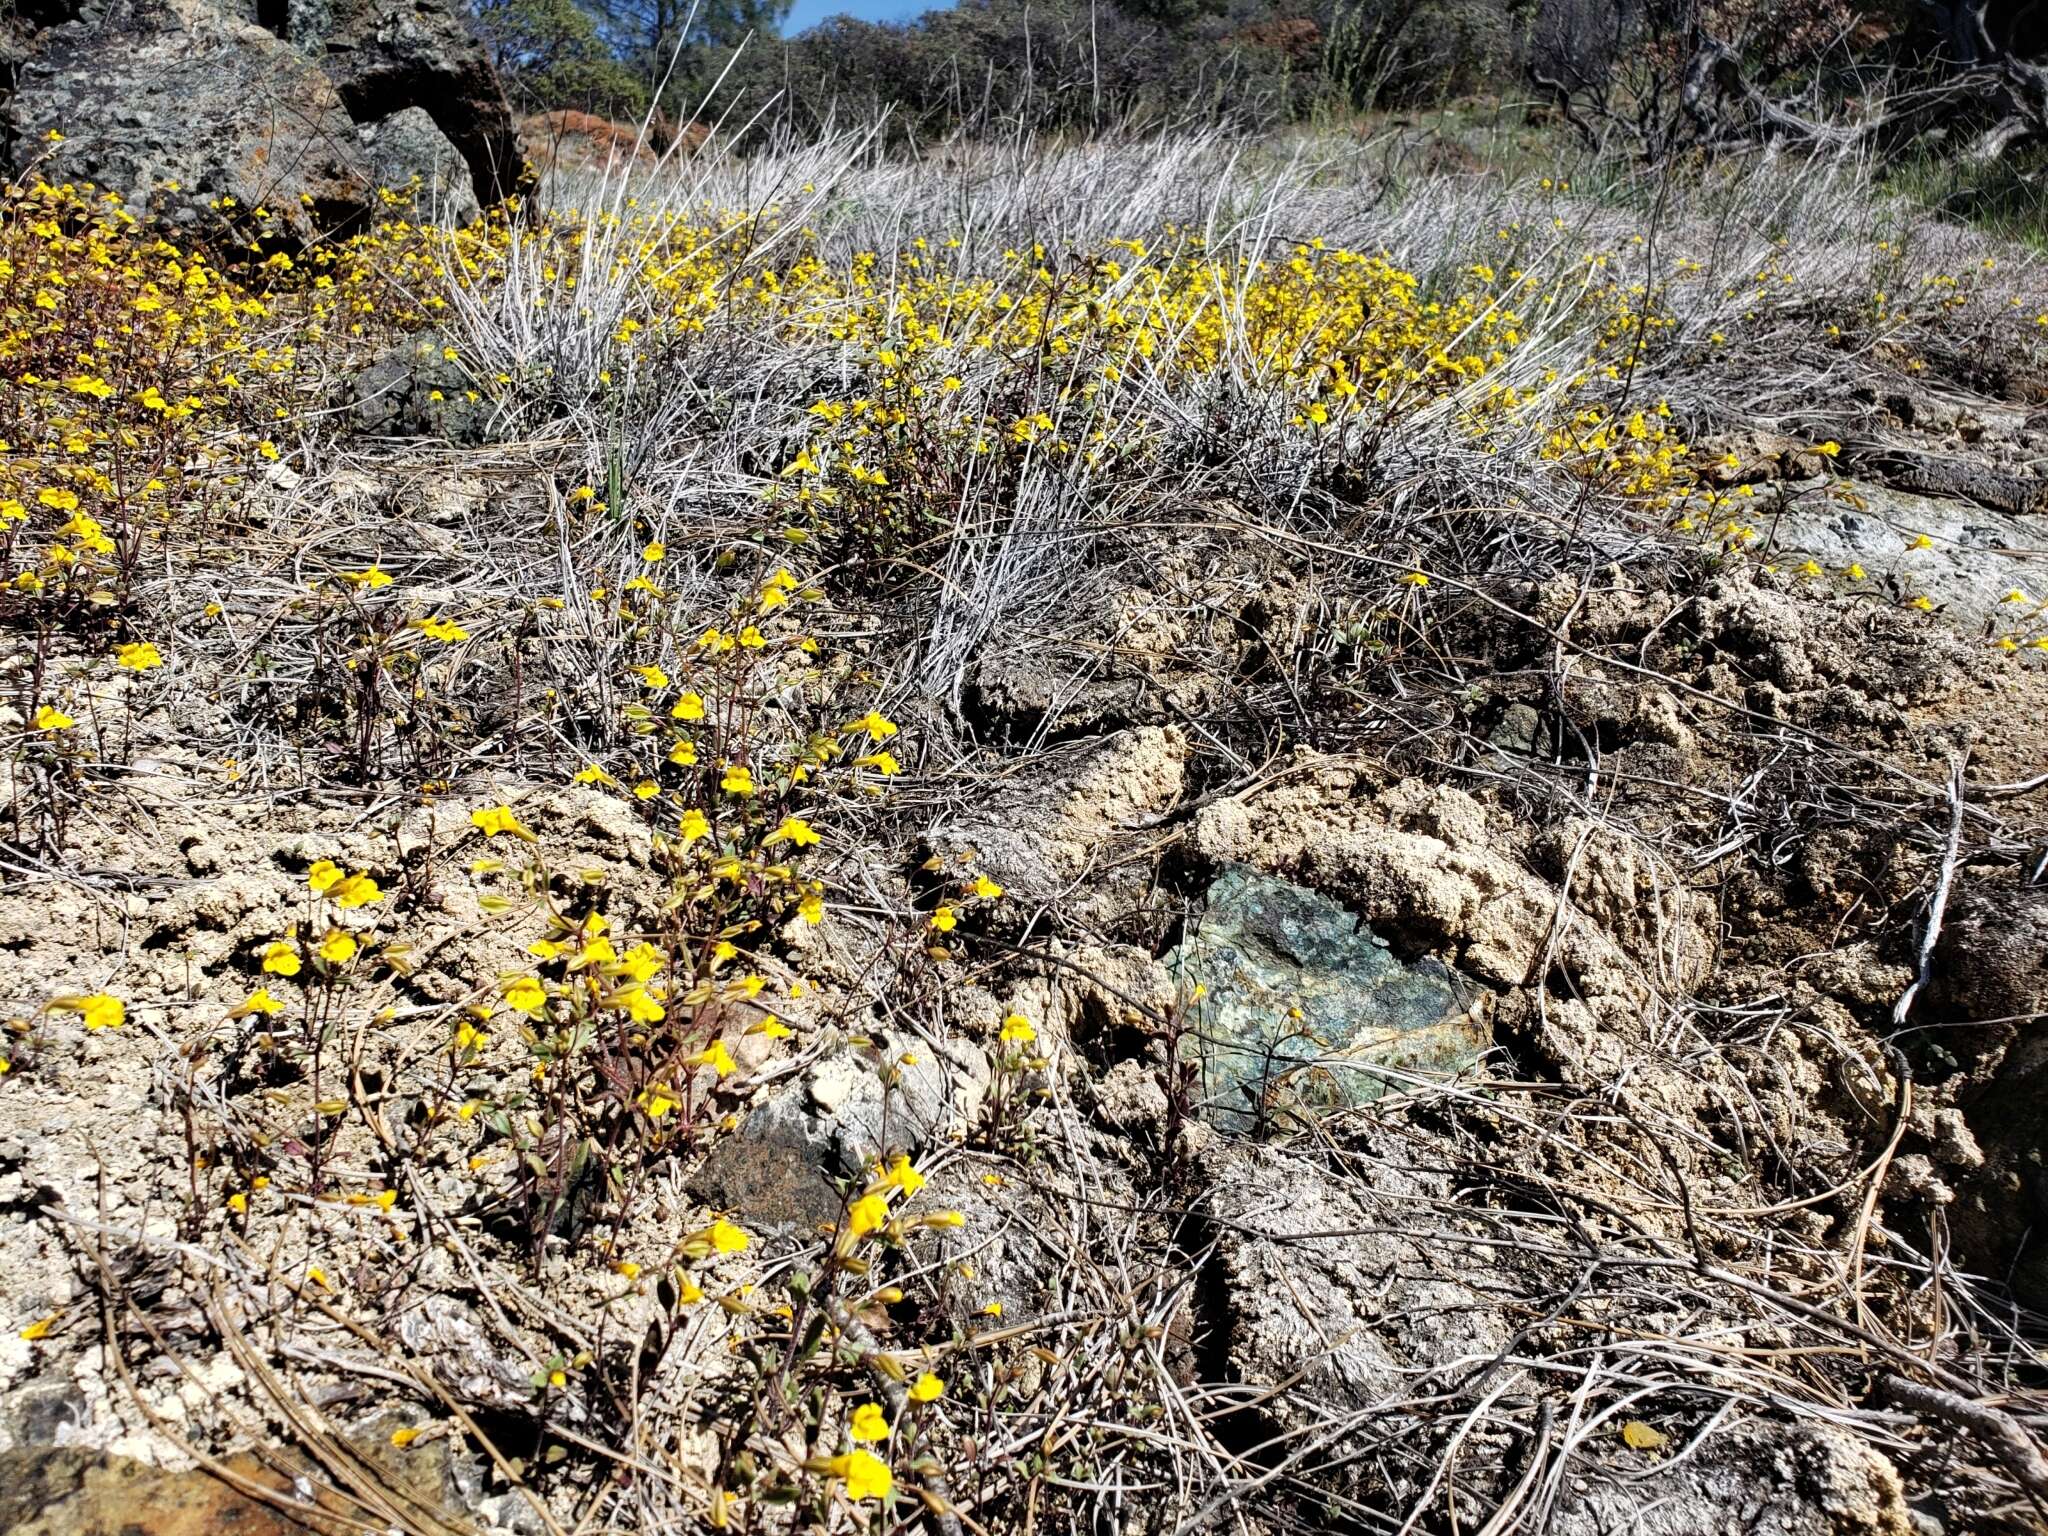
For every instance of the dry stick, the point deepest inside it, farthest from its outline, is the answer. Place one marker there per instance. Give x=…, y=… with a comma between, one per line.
x=1999, y=1430
x=111, y=1290
x=1939, y=905
x=1901, y=1117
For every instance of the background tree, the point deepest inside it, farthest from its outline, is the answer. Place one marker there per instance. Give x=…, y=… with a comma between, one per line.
x=550, y=54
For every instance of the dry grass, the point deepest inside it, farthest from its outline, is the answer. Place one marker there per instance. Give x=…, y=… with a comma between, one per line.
x=1644, y=1227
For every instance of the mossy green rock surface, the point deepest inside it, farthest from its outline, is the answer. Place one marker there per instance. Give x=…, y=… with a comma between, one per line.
x=1305, y=1010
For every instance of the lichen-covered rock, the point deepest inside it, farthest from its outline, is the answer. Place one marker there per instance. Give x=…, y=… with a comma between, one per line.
x=1304, y=1009
x=413, y=389
x=407, y=149
x=386, y=56
x=181, y=103
x=242, y=125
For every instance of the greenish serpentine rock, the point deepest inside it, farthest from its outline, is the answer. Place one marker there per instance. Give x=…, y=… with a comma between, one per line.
x=1301, y=1003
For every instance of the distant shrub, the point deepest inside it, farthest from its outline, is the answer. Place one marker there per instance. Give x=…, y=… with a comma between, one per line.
x=1384, y=52
x=550, y=54
x=996, y=65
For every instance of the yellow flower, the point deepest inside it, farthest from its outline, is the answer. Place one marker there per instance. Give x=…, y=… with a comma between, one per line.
x=794, y=829
x=338, y=948
x=139, y=656
x=986, y=888
x=870, y=1213
x=641, y=1008
x=1921, y=541
x=653, y=677
x=259, y=1001
x=944, y=919
x=324, y=875
x=527, y=995
x=927, y=1388
x=903, y=1176
x=1827, y=450
x=654, y=551
x=1017, y=1030
x=866, y=1476
x=52, y=719
x=716, y=1057
x=40, y=1328
x=445, y=630
x=1855, y=572
x=491, y=820
x=883, y=763
x=694, y=826
x=372, y=577
x=769, y=1026
x=878, y=729
x=689, y=707
x=358, y=890
x=1416, y=579
x=280, y=959
x=727, y=1238
x=738, y=780
x=58, y=499
x=98, y=1011
x=656, y=1100
x=869, y=1423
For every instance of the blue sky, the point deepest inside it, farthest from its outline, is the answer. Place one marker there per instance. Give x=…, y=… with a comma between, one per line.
x=808, y=13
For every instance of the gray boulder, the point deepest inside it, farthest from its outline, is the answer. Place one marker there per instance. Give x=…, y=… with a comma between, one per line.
x=186, y=103
x=409, y=149
x=258, y=122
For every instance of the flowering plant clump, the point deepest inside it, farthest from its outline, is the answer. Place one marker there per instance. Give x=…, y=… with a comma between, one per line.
x=143, y=381
x=631, y=1034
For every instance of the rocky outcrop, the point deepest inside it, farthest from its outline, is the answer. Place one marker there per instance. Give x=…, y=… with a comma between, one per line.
x=267, y=122
x=385, y=56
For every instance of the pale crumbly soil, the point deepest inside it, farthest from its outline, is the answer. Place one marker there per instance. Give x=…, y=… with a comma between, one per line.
x=1681, y=827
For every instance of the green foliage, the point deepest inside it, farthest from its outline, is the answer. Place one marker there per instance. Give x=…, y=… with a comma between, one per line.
x=550, y=54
